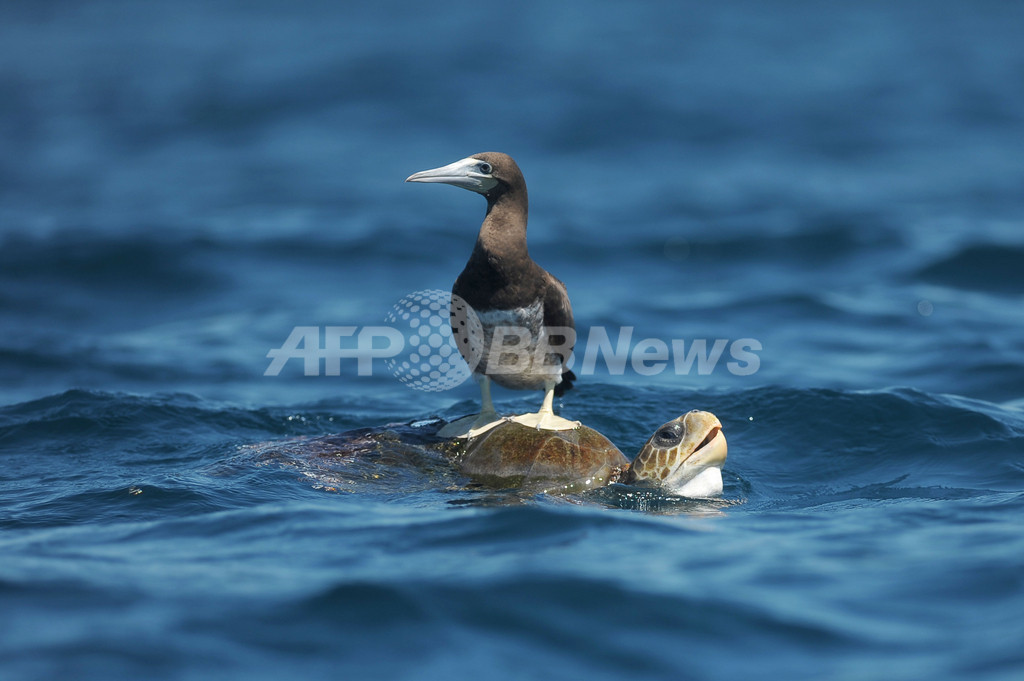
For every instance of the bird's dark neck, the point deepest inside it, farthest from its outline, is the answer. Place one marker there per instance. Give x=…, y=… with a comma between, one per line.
x=502, y=239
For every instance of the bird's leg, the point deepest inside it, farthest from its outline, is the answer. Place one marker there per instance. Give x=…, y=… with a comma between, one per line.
x=471, y=426
x=545, y=419
x=549, y=398
x=486, y=406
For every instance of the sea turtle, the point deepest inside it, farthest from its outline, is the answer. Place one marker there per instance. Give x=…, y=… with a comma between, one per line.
x=683, y=457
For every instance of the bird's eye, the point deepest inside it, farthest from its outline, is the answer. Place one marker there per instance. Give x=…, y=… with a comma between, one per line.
x=485, y=168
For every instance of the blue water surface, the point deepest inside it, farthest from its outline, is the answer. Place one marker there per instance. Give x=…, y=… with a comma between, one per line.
x=183, y=183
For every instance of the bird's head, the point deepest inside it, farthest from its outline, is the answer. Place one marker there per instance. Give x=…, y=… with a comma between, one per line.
x=490, y=173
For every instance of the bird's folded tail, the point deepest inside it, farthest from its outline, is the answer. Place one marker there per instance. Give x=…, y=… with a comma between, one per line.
x=567, y=378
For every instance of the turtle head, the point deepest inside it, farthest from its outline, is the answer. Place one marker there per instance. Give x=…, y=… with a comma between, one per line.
x=683, y=457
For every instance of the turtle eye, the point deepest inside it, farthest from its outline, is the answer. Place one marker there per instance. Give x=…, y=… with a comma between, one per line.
x=485, y=168
x=668, y=434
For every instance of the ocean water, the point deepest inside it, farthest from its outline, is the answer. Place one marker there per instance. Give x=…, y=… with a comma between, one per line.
x=839, y=189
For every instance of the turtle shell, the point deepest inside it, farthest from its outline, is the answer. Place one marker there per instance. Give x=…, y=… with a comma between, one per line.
x=514, y=455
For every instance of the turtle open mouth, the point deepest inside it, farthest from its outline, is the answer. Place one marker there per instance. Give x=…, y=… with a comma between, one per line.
x=712, y=434
x=711, y=451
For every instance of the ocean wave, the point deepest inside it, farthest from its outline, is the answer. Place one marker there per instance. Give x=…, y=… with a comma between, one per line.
x=996, y=268
x=783, y=441
x=631, y=582
x=802, y=442
x=131, y=265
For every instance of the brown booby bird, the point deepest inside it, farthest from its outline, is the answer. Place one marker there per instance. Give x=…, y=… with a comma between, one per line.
x=505, y=288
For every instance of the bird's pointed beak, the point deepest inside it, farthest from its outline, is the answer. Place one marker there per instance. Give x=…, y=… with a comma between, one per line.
x=467, y=173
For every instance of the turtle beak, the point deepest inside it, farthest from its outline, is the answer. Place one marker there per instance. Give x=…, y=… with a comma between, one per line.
x=712, y=450
x=466, y=173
